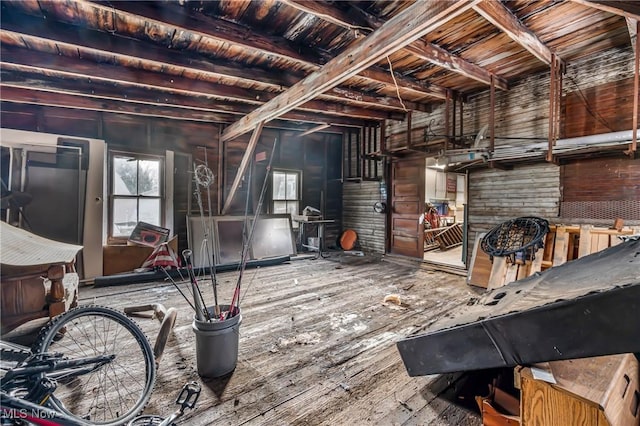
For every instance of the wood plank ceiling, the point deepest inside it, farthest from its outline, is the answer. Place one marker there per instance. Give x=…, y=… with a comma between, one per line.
x=291, y=63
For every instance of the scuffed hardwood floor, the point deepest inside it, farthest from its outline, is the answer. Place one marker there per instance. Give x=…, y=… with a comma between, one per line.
x=317, y=344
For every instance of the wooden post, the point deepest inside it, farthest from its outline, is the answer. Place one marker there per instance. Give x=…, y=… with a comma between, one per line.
x=461, y=116
x=636, y=88
x=221, y=180
x=453, y=122
x=409, y=140
x=492, y=116
x=363, y=152
x=446, y=121
x=552, y=109
x=55, y=274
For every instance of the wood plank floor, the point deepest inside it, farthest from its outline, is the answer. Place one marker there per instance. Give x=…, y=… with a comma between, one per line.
x=317, y=345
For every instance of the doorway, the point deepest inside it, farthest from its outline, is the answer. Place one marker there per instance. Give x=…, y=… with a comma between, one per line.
x=444, y=216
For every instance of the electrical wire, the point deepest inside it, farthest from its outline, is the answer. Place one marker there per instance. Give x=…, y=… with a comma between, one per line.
x=593, y=113
x=396, y=83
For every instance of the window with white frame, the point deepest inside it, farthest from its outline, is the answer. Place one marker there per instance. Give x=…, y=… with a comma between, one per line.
x=136, y=192
x=286, y=192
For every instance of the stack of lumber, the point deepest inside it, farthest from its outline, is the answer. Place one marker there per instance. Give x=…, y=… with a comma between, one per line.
x=563, y=243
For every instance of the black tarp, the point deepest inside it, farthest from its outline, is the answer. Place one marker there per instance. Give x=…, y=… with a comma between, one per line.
x=583, y=308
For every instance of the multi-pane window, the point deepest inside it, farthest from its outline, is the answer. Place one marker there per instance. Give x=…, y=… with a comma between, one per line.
x=286, y=192
x=136, y=192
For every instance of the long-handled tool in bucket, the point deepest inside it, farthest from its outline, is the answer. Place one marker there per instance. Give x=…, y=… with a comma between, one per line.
x=202, y=313
x=234, y=307
x=203, y=177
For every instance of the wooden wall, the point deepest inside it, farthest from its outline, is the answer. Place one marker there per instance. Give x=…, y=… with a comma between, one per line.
x=316, y=155
x=601, y=109
x=597, y=99
x=358, y=214
x=522, y=111
x=499, y=195
x=129, y=133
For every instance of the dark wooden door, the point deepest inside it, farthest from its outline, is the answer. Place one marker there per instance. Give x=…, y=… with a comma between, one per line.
x=407, y=203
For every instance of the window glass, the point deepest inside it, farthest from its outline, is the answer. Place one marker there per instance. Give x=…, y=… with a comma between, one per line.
x=292, y=186
x=136, y=192
x=125, y=216
x=279, y=186
x=149, y=210
x=125, y=176
x=149, y=177
x=280, y=207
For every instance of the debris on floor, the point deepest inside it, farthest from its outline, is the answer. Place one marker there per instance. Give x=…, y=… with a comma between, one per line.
x=311, y=338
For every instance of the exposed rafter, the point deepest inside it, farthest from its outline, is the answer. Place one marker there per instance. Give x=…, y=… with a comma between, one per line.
x=407, y=26
x=177, y=25
x=499, y=15
x=100, y=47
x=360, y=21
x=49, y=97
x=138, y=97
x=61, y=83
x=20, y=59
x=628, y=9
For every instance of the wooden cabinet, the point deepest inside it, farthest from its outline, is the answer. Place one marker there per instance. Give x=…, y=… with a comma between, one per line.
x=600, y=391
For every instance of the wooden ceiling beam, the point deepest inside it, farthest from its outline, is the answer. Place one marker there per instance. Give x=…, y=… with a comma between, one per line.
x=175, y=22
x=499, y=15
x=409, y=25
x=25, y=31
x=628, y=9
x=52, y=97
x=36, y=97
x=364, y=22
x=311, y=110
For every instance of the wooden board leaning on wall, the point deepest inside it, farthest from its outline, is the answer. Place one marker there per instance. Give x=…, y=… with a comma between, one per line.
x=562, y=244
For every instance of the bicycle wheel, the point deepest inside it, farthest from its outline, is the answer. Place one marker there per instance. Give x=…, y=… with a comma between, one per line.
x=118, y=391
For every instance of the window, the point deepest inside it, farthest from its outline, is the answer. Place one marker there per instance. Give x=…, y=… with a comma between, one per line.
x=286, y=192
x=136, y=192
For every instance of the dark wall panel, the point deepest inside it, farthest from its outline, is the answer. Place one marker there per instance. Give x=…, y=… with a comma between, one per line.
x=601, y=188
x=604, y=108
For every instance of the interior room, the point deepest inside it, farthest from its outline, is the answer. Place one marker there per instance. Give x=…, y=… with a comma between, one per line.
x=320, y=212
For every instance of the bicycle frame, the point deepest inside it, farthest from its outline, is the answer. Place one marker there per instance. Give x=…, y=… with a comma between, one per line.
x=35, y=377
x=13, y=408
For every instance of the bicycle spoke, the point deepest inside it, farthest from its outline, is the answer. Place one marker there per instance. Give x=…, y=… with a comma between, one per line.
x=117, y=389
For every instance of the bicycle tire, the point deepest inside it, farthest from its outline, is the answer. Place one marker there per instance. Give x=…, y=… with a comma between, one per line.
x=117, y=392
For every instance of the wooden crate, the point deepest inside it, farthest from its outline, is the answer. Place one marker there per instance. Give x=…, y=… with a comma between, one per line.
x=120, y=259
x=600, y=391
